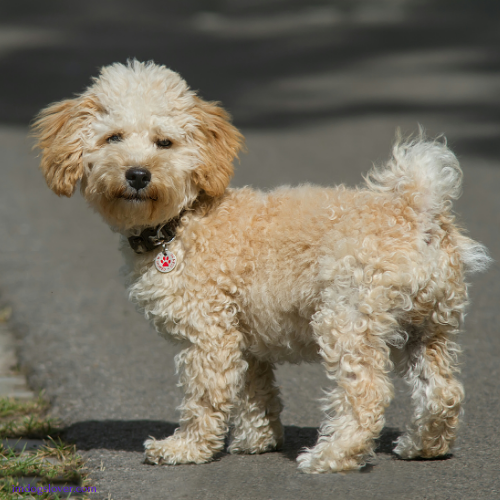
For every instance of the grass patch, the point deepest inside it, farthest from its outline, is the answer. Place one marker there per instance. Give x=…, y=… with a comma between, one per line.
x=54, y=463
x=26, y=419
x=12, y=407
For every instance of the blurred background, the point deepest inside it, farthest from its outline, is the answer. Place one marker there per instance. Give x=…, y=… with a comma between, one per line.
x=275, y=64
x=318, y=87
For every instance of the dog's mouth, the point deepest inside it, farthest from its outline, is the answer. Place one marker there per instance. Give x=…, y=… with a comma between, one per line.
x=129, y=195
x=136, y=197
x=141, y=195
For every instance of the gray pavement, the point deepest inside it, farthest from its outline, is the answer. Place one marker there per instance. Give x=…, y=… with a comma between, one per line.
x=318, y=90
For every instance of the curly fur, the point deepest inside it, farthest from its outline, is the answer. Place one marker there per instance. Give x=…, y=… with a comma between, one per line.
x=364, y=280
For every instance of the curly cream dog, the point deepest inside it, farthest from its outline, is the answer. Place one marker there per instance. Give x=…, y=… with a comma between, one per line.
x=365, y=280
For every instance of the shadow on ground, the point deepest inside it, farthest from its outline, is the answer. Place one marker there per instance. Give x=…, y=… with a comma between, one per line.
x=130, y=436
x=124, y=435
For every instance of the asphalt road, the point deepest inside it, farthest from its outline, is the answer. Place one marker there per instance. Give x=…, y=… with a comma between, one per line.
x=318, y=92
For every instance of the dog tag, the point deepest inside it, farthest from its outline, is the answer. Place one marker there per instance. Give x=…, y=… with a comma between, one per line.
x=165, y=261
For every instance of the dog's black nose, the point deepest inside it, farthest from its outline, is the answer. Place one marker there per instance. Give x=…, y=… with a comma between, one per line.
x=138, y=178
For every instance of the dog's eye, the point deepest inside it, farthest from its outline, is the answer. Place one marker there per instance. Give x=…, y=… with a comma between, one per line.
x=114, y=138
x=164, y=143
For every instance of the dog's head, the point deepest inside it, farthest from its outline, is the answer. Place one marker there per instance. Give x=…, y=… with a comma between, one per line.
x=143, y=145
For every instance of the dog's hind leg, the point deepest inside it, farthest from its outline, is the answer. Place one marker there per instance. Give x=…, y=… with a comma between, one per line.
x=355, y=353
x=257, y=426
x=212, y=375
x=428, y=367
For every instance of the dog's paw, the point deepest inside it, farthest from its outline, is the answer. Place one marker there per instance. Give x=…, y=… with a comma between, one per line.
x=252, y=445
x=312, y=462
x=406, y=447
x=410, y=446
x=251, y=437
x=175, y=450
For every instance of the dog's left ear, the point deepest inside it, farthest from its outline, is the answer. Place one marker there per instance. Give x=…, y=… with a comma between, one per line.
x=220, y=143
x=59, y=129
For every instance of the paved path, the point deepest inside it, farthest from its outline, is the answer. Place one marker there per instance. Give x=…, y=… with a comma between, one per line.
x=13, y=383
x=318, y=95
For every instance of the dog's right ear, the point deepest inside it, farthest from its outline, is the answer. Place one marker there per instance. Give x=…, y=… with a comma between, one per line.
x=59, y=129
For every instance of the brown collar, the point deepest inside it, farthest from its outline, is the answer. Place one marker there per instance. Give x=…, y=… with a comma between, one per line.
x=152, y=237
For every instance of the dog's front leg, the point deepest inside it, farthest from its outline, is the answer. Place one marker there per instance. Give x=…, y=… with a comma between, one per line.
x=212, y=374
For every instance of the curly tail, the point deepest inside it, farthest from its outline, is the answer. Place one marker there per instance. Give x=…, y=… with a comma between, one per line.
x=427, y=176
